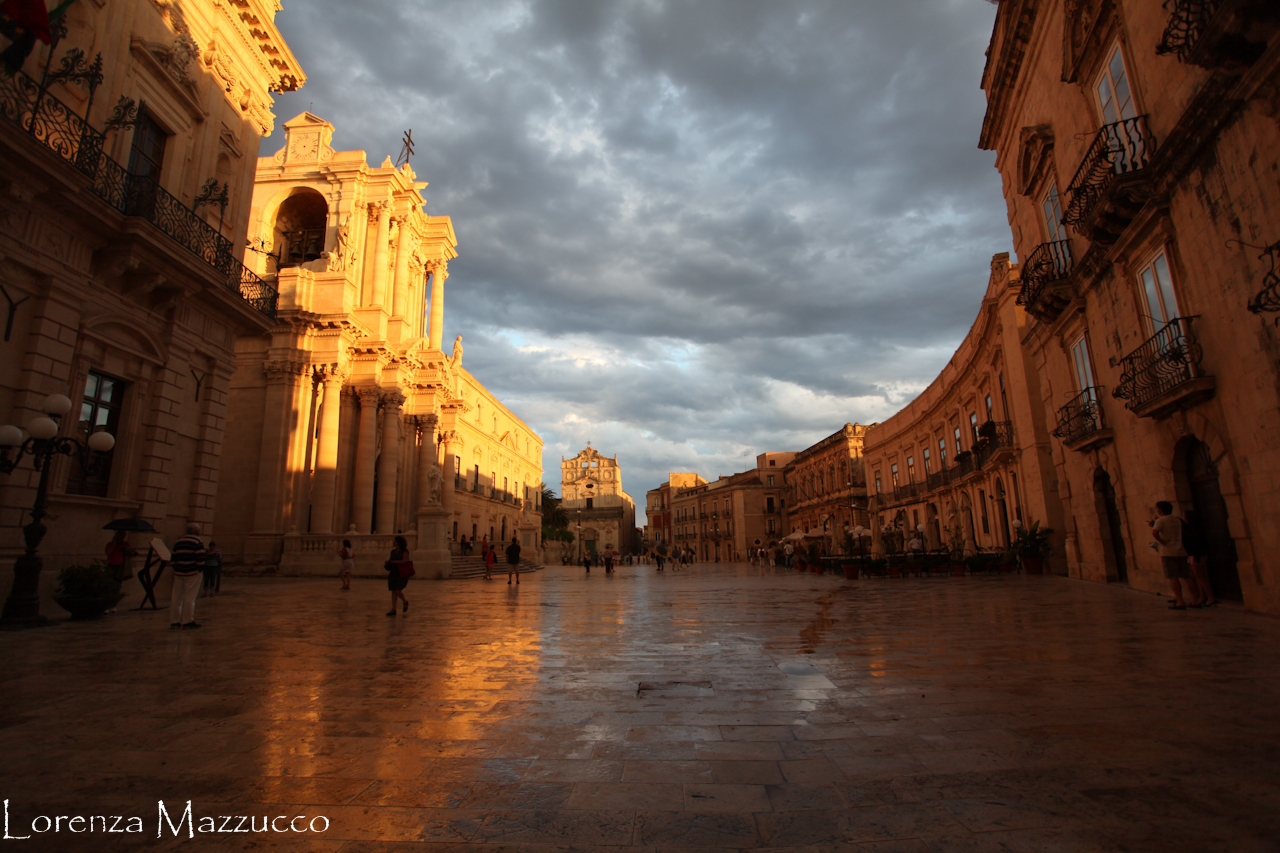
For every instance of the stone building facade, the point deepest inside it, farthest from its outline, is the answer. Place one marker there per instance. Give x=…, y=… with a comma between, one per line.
x=824, y=481
x=347, y=417
x=1138, y=145
x=971, y=454
x=601, y=515
x=722, y=520
x=124, y=206
x=658, y=507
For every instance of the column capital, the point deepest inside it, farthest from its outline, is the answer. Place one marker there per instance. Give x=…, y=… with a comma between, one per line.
x=427, y=421
x=368, y=394
x=330, y=374
x=392, y=399
x=281, y=367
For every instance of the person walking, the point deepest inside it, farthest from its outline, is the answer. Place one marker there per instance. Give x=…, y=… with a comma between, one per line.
x=608, y=562
x=586, y=562
x=463, y=547
x=396, y=578
x=489, y=559
x=212, y=570
x=187, y=560
x=788, y=551
x=1166, y=529
x=513, y=560
x=347, y=555
x=1196, y=544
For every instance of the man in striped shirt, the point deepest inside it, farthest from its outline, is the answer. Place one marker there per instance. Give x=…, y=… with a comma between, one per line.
x=188, y=573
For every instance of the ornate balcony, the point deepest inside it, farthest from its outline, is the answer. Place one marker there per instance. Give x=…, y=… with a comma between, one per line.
x=906, y=491
x=994, y=438
x=937, y=480
x=1164, y=374
x=53, y=124
x=1080, y=422
x=1045, y=291
x=1212, y=33
x=1106, y=192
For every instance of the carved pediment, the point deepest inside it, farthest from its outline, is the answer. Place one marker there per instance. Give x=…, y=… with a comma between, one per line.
x=1087, y=29
x=1035, y=157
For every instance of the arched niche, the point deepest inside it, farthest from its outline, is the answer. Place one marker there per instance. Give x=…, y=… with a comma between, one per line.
x=299, y=227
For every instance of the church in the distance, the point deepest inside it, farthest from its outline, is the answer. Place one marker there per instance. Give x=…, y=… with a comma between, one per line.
x=602, y=517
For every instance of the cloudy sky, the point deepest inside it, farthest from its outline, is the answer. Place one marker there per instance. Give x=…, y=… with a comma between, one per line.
x=689, y=232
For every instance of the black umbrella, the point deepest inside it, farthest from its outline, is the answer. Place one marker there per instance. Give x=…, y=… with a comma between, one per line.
x=129, y=524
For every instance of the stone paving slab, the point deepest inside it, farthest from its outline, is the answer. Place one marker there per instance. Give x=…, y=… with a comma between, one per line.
x=723, y=707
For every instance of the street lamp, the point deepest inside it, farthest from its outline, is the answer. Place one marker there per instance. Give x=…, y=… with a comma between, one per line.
x=23, y=604
x=920, y=528
x=579, y=536
x=858, y=531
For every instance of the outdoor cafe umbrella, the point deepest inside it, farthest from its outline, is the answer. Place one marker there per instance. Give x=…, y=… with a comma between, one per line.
x=134, y=524
x=877, y=535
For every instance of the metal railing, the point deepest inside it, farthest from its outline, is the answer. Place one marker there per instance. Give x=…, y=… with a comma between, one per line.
x=986, y=445
x=1080, y=417
x=1166, y=360
x=52, y=123
x=905, y=490
x=937, y=479
x=1187, y=22
x=1120, y=148
x=1047, y=265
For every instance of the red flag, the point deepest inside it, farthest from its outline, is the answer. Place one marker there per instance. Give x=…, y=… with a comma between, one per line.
x=30, y=16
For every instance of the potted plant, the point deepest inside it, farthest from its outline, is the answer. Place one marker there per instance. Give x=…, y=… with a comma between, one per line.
x=987, y=430
x=1030, y=543
x=814, y=559
x=88, y=591
x=878, y=567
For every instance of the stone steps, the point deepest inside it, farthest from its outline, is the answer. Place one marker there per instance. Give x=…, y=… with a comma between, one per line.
x=473, y=567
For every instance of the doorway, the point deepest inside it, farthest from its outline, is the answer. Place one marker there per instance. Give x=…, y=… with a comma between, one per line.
x=1113, y=549
x=1197, y=476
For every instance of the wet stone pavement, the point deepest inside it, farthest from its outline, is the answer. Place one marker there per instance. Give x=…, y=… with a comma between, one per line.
x=717, y=708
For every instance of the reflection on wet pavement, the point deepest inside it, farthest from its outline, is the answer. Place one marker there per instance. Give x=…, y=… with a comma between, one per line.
x=721, y=708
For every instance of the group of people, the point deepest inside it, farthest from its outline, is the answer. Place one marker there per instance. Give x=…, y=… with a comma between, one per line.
x=1184, y=555
x=197, y=571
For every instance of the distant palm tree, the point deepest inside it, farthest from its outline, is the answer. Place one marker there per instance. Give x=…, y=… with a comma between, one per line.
x=553, y=515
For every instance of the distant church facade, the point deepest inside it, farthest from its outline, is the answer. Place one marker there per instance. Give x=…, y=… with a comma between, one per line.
x=601, y=515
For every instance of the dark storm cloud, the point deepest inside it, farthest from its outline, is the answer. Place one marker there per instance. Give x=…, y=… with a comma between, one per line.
x=688, y=231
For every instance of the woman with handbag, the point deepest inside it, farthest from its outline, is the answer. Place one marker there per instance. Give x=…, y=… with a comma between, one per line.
x=399, y=569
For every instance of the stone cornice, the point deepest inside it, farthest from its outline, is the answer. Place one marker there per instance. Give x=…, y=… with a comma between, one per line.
x=1015, y=22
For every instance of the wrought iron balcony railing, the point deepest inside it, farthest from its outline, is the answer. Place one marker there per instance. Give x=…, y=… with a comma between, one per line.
x=1120, y=148
x=1169, y=358
x=1081, y=417
x=1048, y=265
x=937, y=479
x=1187, y=22
x=991, y=440
x=53, y=124
x=905, y=491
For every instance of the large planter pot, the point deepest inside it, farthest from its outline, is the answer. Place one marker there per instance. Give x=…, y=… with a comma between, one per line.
x=817, y=568
x=895, y=572
x=1033, y=565
x=87, y=608
x=799, y=565
x=850, y=571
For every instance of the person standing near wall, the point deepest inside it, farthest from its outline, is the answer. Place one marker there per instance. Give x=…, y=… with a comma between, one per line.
x=1167, y=531
x=212, y=570
x=188, y=573
x=348, y=557
x=513, y=560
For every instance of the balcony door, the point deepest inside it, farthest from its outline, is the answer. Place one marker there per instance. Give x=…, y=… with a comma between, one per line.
x=1116, y=105
x=1157, y=293
x=1082, y=365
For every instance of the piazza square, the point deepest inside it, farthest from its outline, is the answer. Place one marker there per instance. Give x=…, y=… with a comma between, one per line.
x=913, y=369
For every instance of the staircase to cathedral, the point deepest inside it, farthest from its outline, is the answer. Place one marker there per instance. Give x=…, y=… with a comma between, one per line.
x=473, y=567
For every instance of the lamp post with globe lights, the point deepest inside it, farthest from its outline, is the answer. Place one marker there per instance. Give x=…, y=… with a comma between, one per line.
x=42, y=444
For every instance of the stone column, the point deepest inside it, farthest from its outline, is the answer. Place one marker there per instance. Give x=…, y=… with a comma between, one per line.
x=449, y=445
x=388, y=464
x=380, y=246
x=326, y=468
x=427, y=459
x=438, y=275
x=404, y=249
x=278, y=412
x=366, y=458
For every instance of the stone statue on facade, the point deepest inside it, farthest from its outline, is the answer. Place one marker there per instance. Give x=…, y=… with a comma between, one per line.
x=344, y=255
x=455, y=360
x=435, y=482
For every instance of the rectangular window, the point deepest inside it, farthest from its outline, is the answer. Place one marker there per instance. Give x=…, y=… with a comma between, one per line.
x=957, y=437
x=1081, y=362
x=1004, y=398
x=893, y=474
x=911, y=469
x=1115, y=100
x=590, y=503
x=768, y=481
x=942, y=454
x=928, y=463
x=146, y=155
x=771, y=526
x=1157, y=292
x=99, y=410
x=878, y=489
x=991, y=415
x=973, y=423
x=768, y=504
